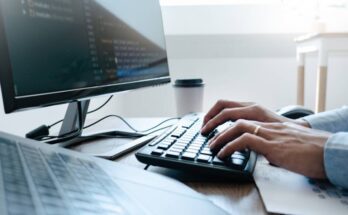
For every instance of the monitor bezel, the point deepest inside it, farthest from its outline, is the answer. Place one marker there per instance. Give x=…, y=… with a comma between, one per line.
x=14, y=104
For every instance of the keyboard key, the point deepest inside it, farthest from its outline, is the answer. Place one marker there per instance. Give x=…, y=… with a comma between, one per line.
x=188, y=156
x=174, y=149
x=178, y=132
x=163, y=146
x=186, y=139
x=166, y=141
x=172, y=154
x=238, y=156
x=217, y=161
x=200, y=137
x=206, y=152
x=183, y=142
x=179, y=146
x=192, y=150
x=157, y=152
x=199, y=142
x=237, y=163
x=183, y=145
x=203, y=158
x=169, y=141
x=194, y=147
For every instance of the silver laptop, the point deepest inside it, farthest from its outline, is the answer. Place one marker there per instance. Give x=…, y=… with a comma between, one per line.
x=40, y=179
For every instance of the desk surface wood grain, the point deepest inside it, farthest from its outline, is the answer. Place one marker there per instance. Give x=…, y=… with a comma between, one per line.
x=235, y=198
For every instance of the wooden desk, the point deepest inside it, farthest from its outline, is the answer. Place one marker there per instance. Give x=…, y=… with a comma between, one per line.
x=235, y=198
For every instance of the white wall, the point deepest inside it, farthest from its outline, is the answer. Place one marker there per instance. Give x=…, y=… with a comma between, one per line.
x=243, y=52
x=268, y=81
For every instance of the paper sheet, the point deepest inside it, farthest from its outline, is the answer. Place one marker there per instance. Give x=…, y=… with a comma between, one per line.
x=286, y=192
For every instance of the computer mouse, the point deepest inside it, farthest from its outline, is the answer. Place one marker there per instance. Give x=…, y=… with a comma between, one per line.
x=294, y=111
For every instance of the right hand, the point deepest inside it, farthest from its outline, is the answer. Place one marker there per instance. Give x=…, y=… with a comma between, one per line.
x=224, y=111
x=287, y=145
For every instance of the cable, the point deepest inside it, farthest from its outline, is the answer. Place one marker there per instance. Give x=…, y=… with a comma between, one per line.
x=54, y=124
x=159, y=129
x=101, y=106
x=129, y=126
x=121, y=134
x=73, y=134
x=113, y=134
x=89, y=112
x=42, y=132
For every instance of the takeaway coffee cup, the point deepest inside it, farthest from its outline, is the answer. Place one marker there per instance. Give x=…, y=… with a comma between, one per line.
x=189, y=95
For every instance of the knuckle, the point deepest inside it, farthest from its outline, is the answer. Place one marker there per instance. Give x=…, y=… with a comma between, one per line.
x=241, y=123
x=246, y=136
x=225, y=112
x=221, y=102
x=256, y=107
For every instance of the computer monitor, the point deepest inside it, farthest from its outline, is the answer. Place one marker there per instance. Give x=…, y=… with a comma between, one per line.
x=63, y=51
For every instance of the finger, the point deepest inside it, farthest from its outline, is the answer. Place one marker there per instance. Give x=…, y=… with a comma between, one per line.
x=225, y=115
x=246, y=141
x=218, y=107
x=216, y=147
x=218, y=135
x=219, y=119
x=241, y=127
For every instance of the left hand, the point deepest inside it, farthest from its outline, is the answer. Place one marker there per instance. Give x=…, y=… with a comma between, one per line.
x=288, y=145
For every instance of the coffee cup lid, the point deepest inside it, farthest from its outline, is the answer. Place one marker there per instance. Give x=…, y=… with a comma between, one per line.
x=188, y=82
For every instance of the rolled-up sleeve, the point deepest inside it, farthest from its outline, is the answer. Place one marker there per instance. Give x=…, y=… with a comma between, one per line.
x=336, y=148
x=331, y=121
x=336, y=159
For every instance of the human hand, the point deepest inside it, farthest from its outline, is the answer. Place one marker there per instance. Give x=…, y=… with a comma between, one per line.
x=224, y=111
x=287, y=145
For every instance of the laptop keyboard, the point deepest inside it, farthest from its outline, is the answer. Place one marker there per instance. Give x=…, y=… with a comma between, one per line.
x=59, y=183
x=185, y=147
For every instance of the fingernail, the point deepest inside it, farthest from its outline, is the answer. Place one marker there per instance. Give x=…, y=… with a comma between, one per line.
x=203, y=130
x=220, y=155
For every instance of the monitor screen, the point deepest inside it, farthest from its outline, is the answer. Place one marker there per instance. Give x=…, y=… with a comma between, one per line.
x=62, y=50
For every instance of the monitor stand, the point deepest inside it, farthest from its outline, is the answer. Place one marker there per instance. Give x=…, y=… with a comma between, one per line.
x=72, y=125
x=75, y=117
x=72, y=128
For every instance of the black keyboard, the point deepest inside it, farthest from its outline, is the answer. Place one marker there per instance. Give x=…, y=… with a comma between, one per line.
x=183, y=147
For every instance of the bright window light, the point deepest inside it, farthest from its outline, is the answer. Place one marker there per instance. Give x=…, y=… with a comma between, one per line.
x=218, y=2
